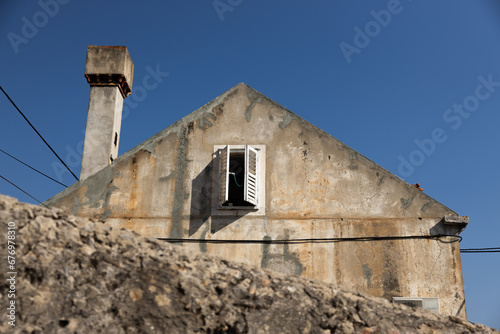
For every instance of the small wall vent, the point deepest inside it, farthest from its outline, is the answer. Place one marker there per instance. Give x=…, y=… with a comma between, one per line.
x=425, y=303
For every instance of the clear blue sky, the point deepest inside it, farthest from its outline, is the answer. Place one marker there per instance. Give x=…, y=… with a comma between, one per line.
x=420, y=83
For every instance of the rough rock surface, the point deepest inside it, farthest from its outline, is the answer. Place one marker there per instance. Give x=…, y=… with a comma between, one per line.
x=80, y=276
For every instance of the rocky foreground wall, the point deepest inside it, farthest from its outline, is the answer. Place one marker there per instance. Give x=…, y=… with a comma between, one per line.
x=80, y=276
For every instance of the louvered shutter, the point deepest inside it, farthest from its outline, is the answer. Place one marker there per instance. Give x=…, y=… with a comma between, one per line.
x=224, y=175
x=251, y=182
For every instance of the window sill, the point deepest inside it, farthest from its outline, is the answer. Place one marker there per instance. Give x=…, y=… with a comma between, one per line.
x=247, y=208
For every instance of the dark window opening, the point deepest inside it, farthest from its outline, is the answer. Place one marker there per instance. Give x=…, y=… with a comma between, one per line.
x=237, y=180
x=411, y=303
x=116, y=138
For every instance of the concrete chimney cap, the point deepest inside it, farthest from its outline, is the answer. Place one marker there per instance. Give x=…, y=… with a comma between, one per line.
x=110, y=66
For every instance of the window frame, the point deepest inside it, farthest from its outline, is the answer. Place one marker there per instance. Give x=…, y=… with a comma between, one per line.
x=259, y=208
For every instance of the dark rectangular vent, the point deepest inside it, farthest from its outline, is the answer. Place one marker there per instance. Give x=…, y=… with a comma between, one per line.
x=410, y=302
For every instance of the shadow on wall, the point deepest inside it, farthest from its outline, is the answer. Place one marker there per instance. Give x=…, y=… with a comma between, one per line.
x=203, y=194
x=201, y=198
x=279, y=258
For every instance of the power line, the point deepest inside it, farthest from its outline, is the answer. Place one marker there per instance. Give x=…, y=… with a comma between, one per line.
x=38, y=133
x=312, y=240
x=474, y=252
x=325, y=240
x=480, y=250
x=36, y=170
x=24, y=191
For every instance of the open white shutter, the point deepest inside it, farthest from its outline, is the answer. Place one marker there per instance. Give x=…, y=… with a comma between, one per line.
x=251, y=182
x=224, y=175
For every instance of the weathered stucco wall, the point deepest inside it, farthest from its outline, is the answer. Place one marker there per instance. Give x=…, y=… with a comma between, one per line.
x=315, y=187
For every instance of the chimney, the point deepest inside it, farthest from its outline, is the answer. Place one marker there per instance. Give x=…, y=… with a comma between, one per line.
x=109, y=71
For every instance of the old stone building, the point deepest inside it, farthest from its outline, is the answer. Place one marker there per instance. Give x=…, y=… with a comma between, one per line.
x=248, y=180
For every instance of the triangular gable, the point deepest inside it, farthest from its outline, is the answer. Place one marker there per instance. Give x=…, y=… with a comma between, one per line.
x=335, y=180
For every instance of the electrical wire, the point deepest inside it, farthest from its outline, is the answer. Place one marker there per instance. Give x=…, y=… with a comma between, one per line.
x=36, y=170
x=325, y=240
x=24, y=191
x=475, y=252
x=38, y=133
x=480, y=250
x=457, y=238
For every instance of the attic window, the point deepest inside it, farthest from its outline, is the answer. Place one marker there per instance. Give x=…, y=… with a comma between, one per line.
x=239, y=177
x=425, y=303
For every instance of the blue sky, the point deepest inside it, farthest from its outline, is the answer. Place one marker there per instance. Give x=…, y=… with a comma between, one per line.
x=412, y=85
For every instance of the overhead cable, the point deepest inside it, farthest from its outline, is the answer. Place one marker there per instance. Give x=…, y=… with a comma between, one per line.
x=481, y=250
x=36, y=170
x=38, y=133
x=326, y=240
x=438, y=237
x=24, y=191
